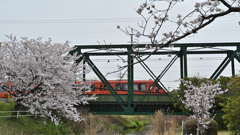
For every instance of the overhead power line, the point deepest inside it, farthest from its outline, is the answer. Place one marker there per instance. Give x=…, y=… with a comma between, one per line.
x=87, y=20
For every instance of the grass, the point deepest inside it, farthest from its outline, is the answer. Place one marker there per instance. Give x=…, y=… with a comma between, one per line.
x=93, y=124
x=179, y=130
x=224, y=132
x=135, y=120
x=29, y=126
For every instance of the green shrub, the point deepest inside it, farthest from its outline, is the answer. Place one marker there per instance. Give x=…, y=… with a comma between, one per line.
x=7, y=106
x=3, y=106
x=11, y=105
x=190, y=127
x=231, y=116
x=220, y=122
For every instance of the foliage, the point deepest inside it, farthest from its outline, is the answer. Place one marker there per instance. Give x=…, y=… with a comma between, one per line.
x=232, y=116
x=234, y=86
x=222, y=99
x=225, y=81
x=200, y=100
x=190, y=126
x=221, y=125
x=42, y=76
x=231, y=107
x=7, y=106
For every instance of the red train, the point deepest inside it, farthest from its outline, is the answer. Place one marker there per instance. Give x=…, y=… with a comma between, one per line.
x=121, y=87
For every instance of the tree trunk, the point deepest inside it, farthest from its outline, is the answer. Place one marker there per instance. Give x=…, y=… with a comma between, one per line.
x=198, y=129
x=16, y=107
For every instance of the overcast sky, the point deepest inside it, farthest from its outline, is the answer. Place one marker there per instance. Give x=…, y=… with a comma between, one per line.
x=86, y=22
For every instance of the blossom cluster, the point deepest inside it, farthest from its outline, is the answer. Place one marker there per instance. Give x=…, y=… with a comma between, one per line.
x=211, y=4
x=43, y=77
x=200, y=100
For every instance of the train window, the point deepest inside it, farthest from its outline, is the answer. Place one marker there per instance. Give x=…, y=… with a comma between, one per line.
x=135, y=87
x=100, y=87
x=142, y=86
x=157, y=89
x=125, y=86
x=104, y=88
x=118, y=86
x=1, y=90
x=92, y=87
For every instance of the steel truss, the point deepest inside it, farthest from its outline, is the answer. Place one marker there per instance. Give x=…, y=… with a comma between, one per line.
x=128, y=105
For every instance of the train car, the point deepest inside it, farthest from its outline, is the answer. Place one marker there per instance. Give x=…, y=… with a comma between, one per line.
x=3, y=91
x=121, y=87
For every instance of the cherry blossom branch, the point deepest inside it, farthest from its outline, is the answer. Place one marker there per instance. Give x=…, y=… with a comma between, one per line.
x=208, y=12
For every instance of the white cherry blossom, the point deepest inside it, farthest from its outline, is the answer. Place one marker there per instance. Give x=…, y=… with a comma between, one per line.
x=200, y=100
x=43, y=77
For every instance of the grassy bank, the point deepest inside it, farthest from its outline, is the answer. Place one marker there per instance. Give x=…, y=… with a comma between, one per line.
x=93, y=124
x=224, y=132
x=30, y=126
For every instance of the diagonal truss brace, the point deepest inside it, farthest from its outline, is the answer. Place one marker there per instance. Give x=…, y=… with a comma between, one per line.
x=238, y=55
x=157, y=79
x=105, y=82
x=149, y=71
x=224, y=64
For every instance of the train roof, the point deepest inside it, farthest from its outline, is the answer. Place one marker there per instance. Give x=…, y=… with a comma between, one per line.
x=122, y=81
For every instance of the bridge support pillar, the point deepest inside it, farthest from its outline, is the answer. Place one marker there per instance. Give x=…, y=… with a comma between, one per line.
x=129, y=108
x=183, y=62
x=233, y=67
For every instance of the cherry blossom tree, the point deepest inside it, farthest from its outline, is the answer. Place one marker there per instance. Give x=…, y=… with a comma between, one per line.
x=200, y=100
x=43, y=77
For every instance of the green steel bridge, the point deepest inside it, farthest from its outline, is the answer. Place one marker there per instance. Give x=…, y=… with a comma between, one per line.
x=132, y=104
